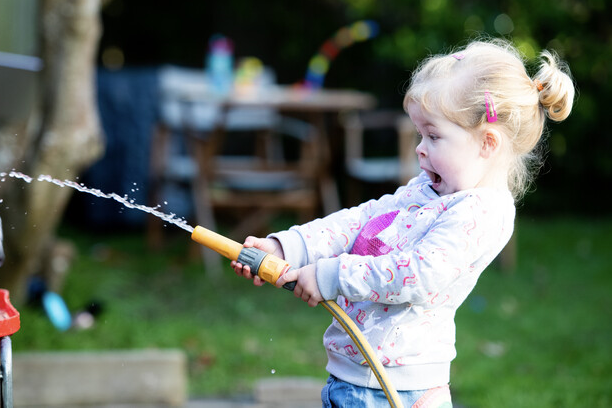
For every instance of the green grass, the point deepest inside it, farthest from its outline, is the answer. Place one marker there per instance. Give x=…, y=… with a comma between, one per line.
x=541, y=337
x=232, y=332
x=536, y=337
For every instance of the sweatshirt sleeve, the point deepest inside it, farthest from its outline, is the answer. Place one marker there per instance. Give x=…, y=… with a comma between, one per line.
x=463, y=240
x=293, y=246
x=328, y=237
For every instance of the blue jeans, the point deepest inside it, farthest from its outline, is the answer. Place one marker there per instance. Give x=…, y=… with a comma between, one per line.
x=340, y=394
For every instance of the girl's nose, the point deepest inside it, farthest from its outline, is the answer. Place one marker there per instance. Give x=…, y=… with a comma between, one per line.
x=420, y=149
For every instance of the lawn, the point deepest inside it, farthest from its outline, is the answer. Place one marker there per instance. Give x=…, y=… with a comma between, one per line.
x=538, y=336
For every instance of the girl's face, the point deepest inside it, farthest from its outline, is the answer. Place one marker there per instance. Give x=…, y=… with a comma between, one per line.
x=449, y=154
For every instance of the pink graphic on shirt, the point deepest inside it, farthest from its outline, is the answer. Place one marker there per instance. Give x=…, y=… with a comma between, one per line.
x=420, y=256
x=324, y=241
x=403, y=263
x=410, y=280
x=367, y=242
x=403, y=242
x=361, y=315
x=469, y=228
x=350, y=351
x=364, y=269
x=391, y=295
x=400, y=361
x=354, y=225
x=435, y=301
x=441, y=208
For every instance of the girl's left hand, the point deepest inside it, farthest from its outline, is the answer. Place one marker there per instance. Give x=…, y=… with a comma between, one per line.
x=306, y=288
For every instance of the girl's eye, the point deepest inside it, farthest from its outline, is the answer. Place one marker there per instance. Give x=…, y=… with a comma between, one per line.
x=429, y=136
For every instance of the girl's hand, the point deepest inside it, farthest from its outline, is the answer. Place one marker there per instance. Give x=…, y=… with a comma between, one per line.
x=306, y=288
x=269, y=245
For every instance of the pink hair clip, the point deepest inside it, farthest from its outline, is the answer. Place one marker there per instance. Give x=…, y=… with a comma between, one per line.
x=458, y=56
x=491, y=113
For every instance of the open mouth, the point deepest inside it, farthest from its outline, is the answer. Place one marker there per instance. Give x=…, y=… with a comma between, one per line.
x=434, y=177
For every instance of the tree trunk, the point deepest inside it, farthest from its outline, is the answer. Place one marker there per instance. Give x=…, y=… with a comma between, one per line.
x=61, y=139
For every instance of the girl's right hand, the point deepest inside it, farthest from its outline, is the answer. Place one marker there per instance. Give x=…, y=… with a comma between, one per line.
x=269, y=245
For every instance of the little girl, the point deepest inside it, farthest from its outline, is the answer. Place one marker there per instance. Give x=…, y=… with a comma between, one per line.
x=400, y=266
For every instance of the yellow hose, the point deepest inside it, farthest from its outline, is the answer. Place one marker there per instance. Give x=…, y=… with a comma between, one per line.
x=269, y=268
x=367, y=351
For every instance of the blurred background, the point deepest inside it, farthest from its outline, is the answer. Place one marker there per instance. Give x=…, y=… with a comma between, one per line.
x=286, y=37
x=545, y=300
x=138, y=39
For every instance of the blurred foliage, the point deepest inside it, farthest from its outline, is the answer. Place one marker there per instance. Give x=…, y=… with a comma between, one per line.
x=286, y=34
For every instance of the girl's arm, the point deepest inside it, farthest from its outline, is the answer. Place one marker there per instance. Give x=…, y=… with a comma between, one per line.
x=332, y=235
x=462, y=241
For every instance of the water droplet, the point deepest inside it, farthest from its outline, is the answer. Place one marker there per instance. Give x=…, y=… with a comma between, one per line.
x=125, y=200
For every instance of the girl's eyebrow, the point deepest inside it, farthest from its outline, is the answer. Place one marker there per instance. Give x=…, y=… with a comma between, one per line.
x=428, y=124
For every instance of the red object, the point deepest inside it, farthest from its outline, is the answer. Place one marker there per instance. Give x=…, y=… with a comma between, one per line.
x=9, y=316
x=330, y=49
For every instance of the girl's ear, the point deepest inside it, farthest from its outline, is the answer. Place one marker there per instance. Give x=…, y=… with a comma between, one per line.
x=491, y=142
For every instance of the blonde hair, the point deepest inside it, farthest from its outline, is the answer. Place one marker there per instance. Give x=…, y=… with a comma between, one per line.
x=454, y=85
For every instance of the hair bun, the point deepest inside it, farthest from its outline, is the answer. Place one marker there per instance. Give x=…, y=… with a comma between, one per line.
x=557, y=87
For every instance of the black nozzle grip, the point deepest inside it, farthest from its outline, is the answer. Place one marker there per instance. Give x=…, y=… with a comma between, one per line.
x=252, y=258
x=290, y=285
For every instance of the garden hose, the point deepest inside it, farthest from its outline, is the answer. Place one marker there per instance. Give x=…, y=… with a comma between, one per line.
x=366, y=350
x=269, y=268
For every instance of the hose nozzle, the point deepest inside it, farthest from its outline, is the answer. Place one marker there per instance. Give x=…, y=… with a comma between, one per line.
x=267, y=266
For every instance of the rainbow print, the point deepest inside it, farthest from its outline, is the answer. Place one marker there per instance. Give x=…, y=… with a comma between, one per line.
x=413, y=207
x=391, y=275
x=346, y=240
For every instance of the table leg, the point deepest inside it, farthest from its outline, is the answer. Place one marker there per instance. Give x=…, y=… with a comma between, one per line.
x=328, y=187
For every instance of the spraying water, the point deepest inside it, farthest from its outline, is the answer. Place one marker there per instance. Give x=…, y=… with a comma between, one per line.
x=125, y=200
